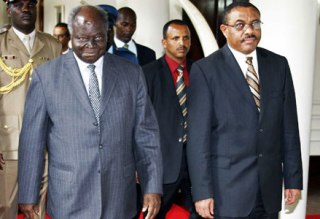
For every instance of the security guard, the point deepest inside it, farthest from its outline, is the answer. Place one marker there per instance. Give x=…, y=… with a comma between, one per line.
x=22, y=48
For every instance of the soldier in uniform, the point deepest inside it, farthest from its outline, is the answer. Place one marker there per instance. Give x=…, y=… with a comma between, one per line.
x=22, y=48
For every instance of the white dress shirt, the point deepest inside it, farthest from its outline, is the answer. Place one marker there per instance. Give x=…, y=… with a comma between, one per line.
x=85, y=72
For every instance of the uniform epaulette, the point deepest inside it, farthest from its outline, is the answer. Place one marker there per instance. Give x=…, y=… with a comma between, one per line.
x=4, y=29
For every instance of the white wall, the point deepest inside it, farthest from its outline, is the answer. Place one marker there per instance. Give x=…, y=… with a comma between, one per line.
x=290, y=29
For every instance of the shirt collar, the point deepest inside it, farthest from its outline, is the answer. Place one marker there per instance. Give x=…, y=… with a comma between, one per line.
x=241, y=59
x=120, y=44
x=131, y=44
x=83, y=65
x=173, y=65
x=22, y=35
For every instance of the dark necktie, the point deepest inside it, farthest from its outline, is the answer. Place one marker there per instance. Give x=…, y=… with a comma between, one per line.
x=182, y=96
x=253, y=81
x=94, y=93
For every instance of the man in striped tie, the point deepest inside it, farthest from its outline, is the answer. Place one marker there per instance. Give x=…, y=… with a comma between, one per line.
x=243, y=137
x=167, y=79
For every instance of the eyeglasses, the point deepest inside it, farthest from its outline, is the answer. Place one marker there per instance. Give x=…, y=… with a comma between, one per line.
x=241, y=26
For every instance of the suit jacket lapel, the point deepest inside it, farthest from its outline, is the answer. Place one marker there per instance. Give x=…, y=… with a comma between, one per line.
x=109, y=80
x=15, y=42
x=38, y=45
x=264, y=78
x=168, y=85
x=74, y=76
x=237, y=77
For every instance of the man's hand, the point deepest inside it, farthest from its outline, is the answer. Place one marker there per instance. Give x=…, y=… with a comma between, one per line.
x=291, y=195
x=151, y=203
x=29, y=210
x=205, y=208
x=1, y=162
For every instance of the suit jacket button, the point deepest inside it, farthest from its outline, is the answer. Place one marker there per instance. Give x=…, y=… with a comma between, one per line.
x=95, y=124
x=260, y=155
x=100, y=146
x=261, y=130
x=180, y=139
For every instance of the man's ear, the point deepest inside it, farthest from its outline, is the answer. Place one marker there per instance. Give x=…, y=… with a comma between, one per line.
x=224, y=30
x=164, y=43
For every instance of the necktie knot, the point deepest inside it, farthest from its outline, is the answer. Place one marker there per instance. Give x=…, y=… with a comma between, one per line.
x=91, y=67
x=180, y=69
x=126, y=46
x=249, y=60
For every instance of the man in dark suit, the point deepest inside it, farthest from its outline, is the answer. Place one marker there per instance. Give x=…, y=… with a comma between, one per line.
x=93, y=112
x=124, y=45
x=161, y=76
x=243, y=128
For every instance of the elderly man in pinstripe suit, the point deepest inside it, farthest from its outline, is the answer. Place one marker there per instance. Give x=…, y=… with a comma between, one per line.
x=92, y=110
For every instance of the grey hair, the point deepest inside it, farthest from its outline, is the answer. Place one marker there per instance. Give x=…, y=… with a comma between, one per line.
x=76, y=10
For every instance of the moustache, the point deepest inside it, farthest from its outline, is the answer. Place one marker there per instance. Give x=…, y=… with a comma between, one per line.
x=182, y=47
x=249, y=37
x=26, y=15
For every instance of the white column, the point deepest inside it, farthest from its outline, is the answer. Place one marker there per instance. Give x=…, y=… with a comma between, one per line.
x=289, y=29
x=315, y=123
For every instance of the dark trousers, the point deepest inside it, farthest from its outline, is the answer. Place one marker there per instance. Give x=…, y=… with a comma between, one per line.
x=182, y=185
x=258, y=212
x=170, y=193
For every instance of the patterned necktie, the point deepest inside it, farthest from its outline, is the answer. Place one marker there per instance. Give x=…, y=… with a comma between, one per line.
x=126, y=46
x=26, y=40
x=94, y=93
x=253, y=81
x=182, y=96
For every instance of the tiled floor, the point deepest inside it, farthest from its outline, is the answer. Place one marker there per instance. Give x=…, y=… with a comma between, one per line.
x=313, y=202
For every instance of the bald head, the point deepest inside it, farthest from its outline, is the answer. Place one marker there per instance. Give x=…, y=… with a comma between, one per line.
x=88, y=26
x=85, y=15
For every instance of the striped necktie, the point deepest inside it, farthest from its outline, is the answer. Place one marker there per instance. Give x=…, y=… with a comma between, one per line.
x=253, y=81
x=94, y=93
x=182, y=96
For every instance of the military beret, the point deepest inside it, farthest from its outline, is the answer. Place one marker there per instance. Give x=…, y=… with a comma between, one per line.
x=112, y=13
x=12, y=1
